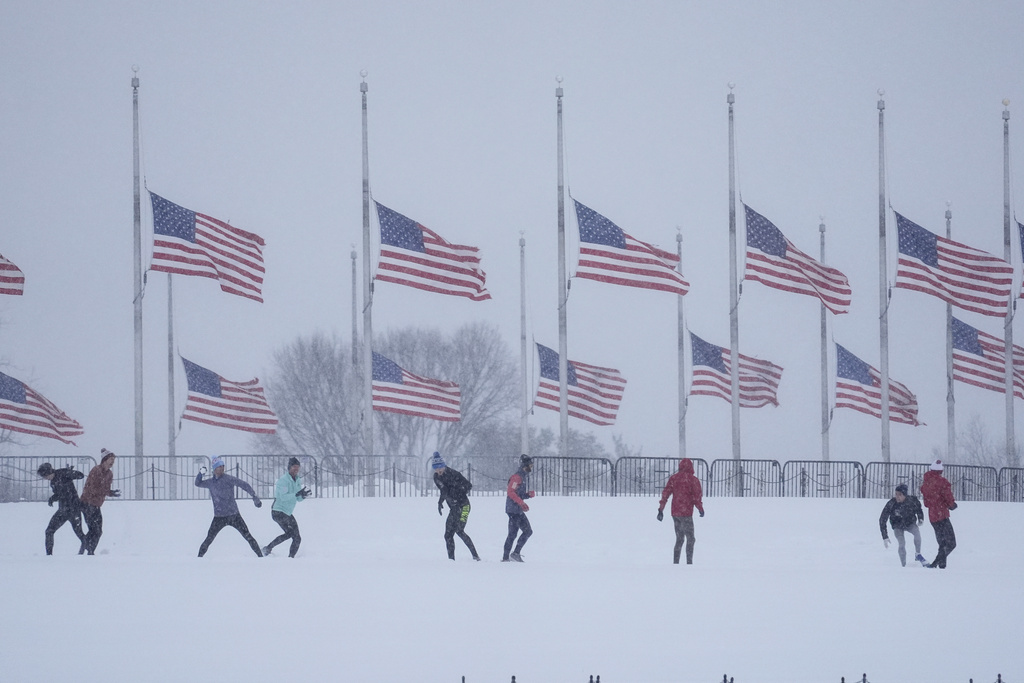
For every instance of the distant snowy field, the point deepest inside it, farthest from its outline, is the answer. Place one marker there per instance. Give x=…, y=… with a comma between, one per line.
x=781, y=590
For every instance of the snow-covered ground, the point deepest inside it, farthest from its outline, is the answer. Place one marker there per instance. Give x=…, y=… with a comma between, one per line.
x=781, y=590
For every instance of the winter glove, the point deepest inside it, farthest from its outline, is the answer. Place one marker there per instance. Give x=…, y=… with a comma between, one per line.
x=440, y=507
x=920, y=521
x=886, y=542
x=257, y=502
x=531, y=494
x=661, y=515
x=953, y=506
x=701, y=513
x=50, y=502
x=526, y=508
x=116, y=493
x=304, y=493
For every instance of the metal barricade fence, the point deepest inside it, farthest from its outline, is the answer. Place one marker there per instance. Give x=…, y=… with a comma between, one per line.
x=158, y=477
x=19, y=481
x=818, y=479
x=970, y=482
x=642, y=476
x=385, y=476
x=759, y=478
x=1011, y=484
x=488, y=474
x=573, y=476
x=881, y=478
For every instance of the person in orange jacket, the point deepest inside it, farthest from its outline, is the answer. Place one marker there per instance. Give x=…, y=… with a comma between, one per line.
x=686, y=493
x=938, y=498
x=95, y=491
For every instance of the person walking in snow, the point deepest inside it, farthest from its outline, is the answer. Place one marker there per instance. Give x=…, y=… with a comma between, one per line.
x=904, y=513
x=686, y=493
x=69, y=507
x=95, y=491
x=287, y=492
x=225, y=510
x=516, y=509
x=938, y=498
x=455, y=491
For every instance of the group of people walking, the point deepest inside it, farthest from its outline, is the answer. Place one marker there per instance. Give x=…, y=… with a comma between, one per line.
x=903, y=512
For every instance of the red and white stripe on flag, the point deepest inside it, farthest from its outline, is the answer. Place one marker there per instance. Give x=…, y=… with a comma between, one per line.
x=595, y=397
x=420, y=397
x=12, y=280
x=241, y=406
x=24, y=410
x=868, y=400
x=759, y=381
x=988, y=371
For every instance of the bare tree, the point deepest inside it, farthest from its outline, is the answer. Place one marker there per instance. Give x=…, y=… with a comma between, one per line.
x=975, y=446
x=475, y=358
x=314, y=390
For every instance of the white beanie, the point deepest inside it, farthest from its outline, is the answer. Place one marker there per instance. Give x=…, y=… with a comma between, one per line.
x=936, y=466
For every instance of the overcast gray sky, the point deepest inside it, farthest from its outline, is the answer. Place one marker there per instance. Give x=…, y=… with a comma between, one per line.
x=250, y=112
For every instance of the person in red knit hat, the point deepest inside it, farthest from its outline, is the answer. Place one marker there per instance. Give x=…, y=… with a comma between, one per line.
x=938, y=498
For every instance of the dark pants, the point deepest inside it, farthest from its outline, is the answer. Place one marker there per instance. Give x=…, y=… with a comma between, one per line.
x=684, y=532
x=946, y=539
x=94, y=518
x=456, y=524
x=65, y=513
x=291, y=530
x=235, y=521
x=516, y=522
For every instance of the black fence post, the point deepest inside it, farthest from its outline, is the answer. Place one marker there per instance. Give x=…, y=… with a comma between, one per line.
x=152, y=481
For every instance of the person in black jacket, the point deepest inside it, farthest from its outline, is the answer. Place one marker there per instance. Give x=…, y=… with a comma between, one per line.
x=904, y=513
x=69, y=507
x=455, y=491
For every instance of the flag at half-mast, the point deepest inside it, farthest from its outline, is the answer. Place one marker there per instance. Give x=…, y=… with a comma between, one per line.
x=859, y=386
x=413, y=255
x=12, y=280
x=396, y=390
x=979, y=358
x=712, y=375
x=959, y=275
x=772, y=260
x=186, y=242
x=609, y=254
x=594, y=393
x=219, y=402
x=25, y=410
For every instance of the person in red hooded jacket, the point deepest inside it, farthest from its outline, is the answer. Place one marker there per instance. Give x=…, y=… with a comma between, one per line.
x=686, y=494
x=938, y=498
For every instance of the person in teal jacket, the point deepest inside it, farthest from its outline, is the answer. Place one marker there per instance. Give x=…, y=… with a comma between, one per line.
x=287, y=492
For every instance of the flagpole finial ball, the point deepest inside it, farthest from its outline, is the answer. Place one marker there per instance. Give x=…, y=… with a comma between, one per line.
x=881, y=92
x=362, y=73
x=731, y=85
x=1006, y=103
x=135, y=70
x=558, y=79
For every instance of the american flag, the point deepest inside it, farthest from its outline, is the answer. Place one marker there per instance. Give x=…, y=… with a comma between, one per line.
x=773, y=260
x=594, y=392
x=607, y=254
x=980, y=359
x=413, y=255
x=216, y=401
x=396, y=390
x=1020, y=230
x=859, y=386
x=712, y=368
x=190, y=243
x=24, y=410
x=12, y=280
x=967, y=278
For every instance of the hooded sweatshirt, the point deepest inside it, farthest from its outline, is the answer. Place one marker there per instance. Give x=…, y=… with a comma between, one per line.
x=937, y=494
x=222, y=491
x=685, y=490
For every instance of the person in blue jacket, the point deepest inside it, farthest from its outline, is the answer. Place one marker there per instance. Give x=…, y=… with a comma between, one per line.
x=516, y=508
x=225, y=510
x=287, y=492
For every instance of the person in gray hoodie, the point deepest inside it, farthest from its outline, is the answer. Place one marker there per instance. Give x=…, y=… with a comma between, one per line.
x=225, y=510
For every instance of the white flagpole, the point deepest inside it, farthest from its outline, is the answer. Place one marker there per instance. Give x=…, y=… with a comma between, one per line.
x=172, y=466
x=355, y=313
x=524, y=425
x=825, y=403
x=1011, y=448
x=950, y=397
x=563, y=352
x=367, y=295
x=681, y=344
x=138, y=267
x=883, y=284
x=734, y=321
